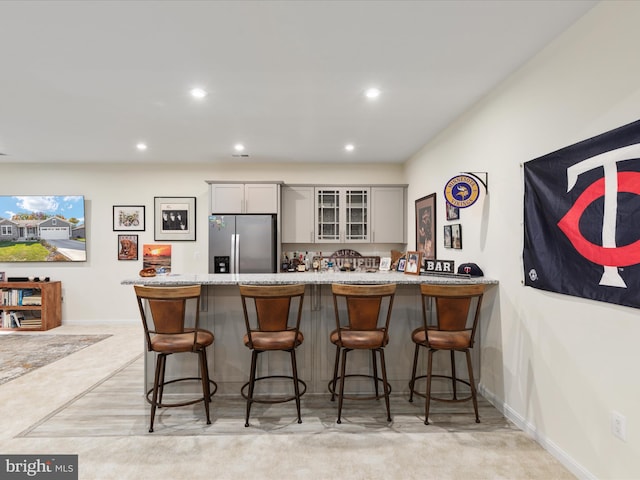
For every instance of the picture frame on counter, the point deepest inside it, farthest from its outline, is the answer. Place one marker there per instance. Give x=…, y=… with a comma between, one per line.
x=175, y=219
x=402, y=264
x=127, y=247
x=128, y=218
x=426, y=226
x=413, y=262
x=385, y=264
x=3, y=277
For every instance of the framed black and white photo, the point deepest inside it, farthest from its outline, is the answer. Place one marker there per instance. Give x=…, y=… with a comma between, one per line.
x=3, y=278
x=175, y=218
x=456, y=236
x=447, y=236
x=453, y=212
x=128, y=218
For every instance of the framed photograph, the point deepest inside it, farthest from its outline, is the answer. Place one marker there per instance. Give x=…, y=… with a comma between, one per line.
x=175, y=218
x=3, y=277
x=426, y=226
x=453, y=212
x=128, y=218
x=402, y=264
x=456, y=236
x=385, y=264
x=127, y=247
x=158, y=257
x=447, y=236
x=413, y=262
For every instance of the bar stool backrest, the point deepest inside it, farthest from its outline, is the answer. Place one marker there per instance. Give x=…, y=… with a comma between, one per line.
x=364, y=304
x=272, y=307
x=168, y=307
x=452, y=308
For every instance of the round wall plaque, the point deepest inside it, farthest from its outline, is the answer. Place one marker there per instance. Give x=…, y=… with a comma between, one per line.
x=462, y=191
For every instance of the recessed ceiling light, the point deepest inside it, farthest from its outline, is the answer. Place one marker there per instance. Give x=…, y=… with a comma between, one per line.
x=198, y=93
x=141, y=146
x=238, y=147
x=372, y=93
x=349, y=147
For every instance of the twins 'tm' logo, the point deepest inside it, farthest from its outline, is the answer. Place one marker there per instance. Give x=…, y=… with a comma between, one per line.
x=609, y=255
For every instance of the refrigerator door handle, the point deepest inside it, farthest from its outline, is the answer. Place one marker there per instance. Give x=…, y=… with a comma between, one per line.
x=232, y=261
x=237, y=257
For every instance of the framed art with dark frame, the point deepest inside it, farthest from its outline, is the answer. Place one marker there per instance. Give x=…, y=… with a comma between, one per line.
x=128, y=218
x=447, y=236
x=414, y=260
x=402, y=263
x=426, y=227
x=127, y=247
x=456, y=236
x=175, y=218
x=453, y=212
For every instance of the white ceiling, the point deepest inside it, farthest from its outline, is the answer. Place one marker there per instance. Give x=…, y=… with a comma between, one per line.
x=85, y=81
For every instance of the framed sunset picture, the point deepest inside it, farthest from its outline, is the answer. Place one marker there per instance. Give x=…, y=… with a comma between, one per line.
x=158, y=257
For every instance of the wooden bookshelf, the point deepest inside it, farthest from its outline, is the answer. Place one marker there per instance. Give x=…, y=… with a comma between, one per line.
x=33, y=314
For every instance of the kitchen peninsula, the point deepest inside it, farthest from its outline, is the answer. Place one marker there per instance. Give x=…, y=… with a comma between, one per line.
x=222, y=314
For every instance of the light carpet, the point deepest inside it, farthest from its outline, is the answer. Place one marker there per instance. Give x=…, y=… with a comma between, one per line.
x=21, y=353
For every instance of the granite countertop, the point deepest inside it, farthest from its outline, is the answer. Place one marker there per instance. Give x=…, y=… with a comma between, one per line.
x=377, y=277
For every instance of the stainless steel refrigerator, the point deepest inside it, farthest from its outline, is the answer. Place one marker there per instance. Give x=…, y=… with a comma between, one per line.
x=242, y=244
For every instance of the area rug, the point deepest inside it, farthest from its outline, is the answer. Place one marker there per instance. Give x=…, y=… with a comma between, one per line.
x=20, y=354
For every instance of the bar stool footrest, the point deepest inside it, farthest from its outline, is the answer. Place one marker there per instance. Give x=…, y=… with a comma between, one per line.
x=275, y=399
x=440, y=399
x=332, y=383
x=186, y=402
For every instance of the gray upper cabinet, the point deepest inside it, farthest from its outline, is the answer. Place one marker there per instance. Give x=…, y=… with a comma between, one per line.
x=388, y=214
x=244, y=197
x=297, y=214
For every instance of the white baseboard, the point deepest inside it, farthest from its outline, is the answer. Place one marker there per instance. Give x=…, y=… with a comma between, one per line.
x=87, y=323
x=531, y=430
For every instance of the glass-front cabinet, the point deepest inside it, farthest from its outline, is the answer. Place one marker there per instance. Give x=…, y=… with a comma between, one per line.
x=342, y=214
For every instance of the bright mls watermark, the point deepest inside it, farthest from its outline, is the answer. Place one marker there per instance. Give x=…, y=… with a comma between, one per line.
x=51, y=467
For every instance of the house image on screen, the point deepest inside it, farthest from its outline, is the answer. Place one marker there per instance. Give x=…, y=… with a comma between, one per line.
x=52, y=228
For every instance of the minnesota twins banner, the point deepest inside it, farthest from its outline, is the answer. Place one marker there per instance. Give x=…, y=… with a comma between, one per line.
x=582, y=219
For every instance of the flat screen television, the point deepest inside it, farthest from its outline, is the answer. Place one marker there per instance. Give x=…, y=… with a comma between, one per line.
x=48, y=228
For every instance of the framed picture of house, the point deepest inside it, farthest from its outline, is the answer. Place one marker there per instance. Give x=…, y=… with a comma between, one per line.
x=127, y=247
x=128, y=218
x=175, y=218
x=426, y=226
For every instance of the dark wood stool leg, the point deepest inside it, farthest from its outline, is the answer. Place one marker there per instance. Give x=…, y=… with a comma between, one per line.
x=472, y=384
x=428, y=399
x=252, y=381
x=154, y=398
x=204, y=377
x=296, y=388
x=385, y=383
x=342, y=380
x=163, y=364
x=453, y=375
x=335, y=373
x=413, y=372
x=375, y=371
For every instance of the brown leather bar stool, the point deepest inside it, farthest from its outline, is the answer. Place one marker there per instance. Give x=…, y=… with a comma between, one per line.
x=450, y=317
x=362, y=315
x=272, y=325
x=167, y=331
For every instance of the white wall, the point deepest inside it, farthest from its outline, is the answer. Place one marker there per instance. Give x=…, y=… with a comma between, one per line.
x=557, y=364
x=91, y=290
